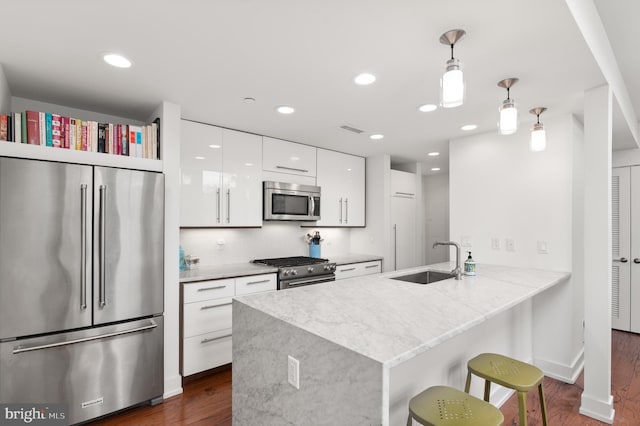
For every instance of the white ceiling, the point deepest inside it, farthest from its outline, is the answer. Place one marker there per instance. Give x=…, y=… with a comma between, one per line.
x=207, y=56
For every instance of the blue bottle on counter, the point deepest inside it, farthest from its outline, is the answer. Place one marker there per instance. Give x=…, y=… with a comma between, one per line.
x=314, y=250
x=183, y=264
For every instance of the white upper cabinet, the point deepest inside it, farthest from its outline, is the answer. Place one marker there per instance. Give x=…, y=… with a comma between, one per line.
x=288, y=157
x=403, y=184
x=220, y=177
x=341, y=178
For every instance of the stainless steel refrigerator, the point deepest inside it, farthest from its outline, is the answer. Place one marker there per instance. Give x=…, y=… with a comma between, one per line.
x=81, y=286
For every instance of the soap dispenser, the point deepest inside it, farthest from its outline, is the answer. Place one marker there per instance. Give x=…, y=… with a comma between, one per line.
x=469, y=265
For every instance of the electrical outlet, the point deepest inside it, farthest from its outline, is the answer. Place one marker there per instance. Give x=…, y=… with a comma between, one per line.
x=510, y=245
x=293, y=372
x=542, y=247
x=495, y=243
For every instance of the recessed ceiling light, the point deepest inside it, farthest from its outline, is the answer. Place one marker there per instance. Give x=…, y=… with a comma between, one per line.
x=214, y=146
x=294, y=158
x=248, y=164
x=427, y=108
x=433, y=154
x=468, y=127
x=199, y=158
x=376, y=136
x=117, y=60
x=364, y=79
x=284, y=109
x=435, y=169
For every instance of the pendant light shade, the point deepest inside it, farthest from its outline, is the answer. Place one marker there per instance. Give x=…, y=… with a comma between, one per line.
x=452, y=89
x=538, y=134
x=508, y=123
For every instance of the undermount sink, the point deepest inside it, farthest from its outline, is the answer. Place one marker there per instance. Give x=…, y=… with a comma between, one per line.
x=425, y=277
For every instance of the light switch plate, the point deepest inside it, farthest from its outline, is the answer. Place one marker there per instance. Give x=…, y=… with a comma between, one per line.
x=510, y=244
x=495, y=243
x=542, y=247
x=293, y=372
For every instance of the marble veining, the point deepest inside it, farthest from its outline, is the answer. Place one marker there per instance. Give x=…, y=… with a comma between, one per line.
x=231, y=270
x=391, y=321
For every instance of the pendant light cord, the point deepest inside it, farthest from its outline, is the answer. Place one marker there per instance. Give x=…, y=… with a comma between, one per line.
x=451, y=50
x=508, y=94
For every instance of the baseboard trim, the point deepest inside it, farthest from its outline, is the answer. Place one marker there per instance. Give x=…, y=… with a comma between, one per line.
x=564, y=373
x=597, y=409
x=172, y=386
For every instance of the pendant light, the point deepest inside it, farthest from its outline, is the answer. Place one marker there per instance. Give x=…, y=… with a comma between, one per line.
x=452, y=83
x=538, y=134
x=508, y=112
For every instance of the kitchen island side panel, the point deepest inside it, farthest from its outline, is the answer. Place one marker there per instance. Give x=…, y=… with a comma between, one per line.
x=329, y=374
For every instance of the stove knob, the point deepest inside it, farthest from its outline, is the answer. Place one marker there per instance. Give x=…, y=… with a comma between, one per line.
x=285, y=272
x=310, y=269
x=294, y=272
x=332, y=267
x=327, y=267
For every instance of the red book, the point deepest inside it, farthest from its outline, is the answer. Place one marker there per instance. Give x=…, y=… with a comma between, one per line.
x=56, y=131
x=118, y=139
x=64, y=129
x=33, y=127
x=4, y=129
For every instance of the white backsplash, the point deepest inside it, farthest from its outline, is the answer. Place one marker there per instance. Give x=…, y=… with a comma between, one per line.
x=237, y=245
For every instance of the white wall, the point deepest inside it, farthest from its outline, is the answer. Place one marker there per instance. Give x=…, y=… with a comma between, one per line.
x=435, y=189
x=277, y=239
x=5, y=94
x=499, y=189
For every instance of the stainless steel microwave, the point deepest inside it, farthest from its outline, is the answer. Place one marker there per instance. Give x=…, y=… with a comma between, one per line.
x=290, y=201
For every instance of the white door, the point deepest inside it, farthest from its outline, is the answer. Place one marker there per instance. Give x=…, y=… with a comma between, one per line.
x=635, y=250
x=621, y=248
x=403, y=237
x=200, y=174
x=242, y=179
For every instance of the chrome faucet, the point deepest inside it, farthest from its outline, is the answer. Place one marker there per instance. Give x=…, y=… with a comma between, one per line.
x=457, y=270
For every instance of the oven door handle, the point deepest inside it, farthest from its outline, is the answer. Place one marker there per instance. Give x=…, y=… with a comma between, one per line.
x=304, y=281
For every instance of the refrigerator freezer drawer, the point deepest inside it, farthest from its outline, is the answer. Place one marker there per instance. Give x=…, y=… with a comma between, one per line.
x=206, y=351
x=95, y=371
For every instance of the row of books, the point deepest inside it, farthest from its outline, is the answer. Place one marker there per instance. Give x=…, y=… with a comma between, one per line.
x=54, y=130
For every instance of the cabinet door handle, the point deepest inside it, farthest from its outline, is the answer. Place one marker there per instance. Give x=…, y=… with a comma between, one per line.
x=622, y=260
x=214, y=339
x=214, y=306
x=212, y=288
x=370, y=266
x=312, y=205
x=346, y=210
x=258, y=282
x=395, y=247
x=340, y=210
x=636, y=260
x=347, y=269
x=292, y=168
x=228, y=205
x=406, y=194
x=218, y=206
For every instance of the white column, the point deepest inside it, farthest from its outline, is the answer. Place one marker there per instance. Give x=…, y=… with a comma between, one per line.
x=597, y=401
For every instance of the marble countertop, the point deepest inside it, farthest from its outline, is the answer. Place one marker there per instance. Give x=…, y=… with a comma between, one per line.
x=225, y=271
x=353, y=258
x=392, y=321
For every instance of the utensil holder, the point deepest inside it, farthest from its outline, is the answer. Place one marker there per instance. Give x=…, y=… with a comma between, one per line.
x=314, y=250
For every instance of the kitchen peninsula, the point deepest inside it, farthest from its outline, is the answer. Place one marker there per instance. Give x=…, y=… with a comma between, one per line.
x=366, y=345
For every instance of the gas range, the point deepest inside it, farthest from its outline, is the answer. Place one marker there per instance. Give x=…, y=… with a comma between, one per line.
x=301, y=270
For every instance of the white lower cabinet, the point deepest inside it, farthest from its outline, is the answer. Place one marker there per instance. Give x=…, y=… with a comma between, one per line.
x=206, y=319
x=351, y=270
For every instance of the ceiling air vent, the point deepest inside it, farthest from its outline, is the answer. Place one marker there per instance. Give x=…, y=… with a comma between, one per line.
x=351, y=129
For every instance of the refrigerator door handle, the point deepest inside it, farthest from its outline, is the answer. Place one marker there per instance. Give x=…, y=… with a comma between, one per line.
x=20, y=349
x=83, y=246
x=102, y=254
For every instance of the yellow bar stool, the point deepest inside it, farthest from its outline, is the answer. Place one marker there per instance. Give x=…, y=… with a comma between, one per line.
x=510, y=373
x=445, y=406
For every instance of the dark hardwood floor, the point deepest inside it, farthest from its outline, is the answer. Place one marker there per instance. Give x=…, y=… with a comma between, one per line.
x=207, y=399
